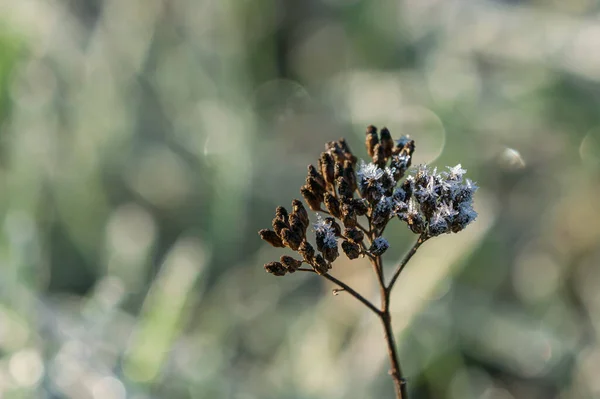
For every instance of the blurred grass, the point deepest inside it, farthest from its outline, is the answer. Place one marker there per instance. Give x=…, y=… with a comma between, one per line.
x=143, y=144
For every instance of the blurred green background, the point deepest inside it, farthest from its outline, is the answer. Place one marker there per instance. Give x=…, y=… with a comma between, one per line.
x=143, y=143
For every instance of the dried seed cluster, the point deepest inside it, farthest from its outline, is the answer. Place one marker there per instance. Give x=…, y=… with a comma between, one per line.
x=430, y=203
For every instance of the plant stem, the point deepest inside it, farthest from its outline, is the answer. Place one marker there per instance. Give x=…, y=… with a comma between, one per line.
x=353, y=293
x=395, y=371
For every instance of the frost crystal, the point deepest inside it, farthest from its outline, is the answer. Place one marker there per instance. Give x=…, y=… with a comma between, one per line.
x=379, y=246
x=324, y=230
x=456, y=172
x=368, y=173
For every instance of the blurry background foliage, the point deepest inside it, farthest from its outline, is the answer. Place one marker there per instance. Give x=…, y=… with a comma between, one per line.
x=144, y=142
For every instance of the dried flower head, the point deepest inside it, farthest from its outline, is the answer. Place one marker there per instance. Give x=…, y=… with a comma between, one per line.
x=359, y=201
x=430, y=203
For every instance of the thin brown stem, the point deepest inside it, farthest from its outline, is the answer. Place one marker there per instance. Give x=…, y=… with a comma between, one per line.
x=402, y=264
x=353, y=293
x=396, y=371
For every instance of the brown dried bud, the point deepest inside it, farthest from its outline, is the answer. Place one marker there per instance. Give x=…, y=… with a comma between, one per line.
x=371, y=140
x=291, y=239
x=379, y=158
x=297, y=225
x=360, y=206
x=347, y=151
x=271, y=237
x=372, y=194
x=348, y=215
x=281, y=213
x=299, y=209
x=320, y=265
x=290, y=263
x=350, y=175
x=337, y=230
x=351, y=249
x=344, y=188
x=416, y=223
x=332, y=204
x=279, y=225
x=330, y=253
x=317, y=189
x=315, y=174
x=386, y=141
x=275, y=268
x=333, y=148
x=354, y=234
x=311, y=199
x=327, y=167
x=307, y=251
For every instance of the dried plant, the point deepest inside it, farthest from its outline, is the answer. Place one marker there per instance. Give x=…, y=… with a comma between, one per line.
x=359, y=204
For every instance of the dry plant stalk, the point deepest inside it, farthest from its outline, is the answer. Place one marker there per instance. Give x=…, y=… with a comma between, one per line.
x=430, y=203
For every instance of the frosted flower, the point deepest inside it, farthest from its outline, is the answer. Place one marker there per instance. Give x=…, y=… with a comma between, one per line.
x=379, y=246
x=446, y=210
x=368, y=173
x=325, y=232
x=438, y=224
x=455, y=173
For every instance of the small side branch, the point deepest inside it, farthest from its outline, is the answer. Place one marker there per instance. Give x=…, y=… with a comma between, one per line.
x=350, y=291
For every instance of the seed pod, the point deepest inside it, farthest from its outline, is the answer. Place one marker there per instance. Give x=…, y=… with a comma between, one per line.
x=299, y=209
x=350, y=175
x=307, y=251
x=371, y=140
x=281, y=213
x=416, y=223
x=320, y=265
x=353, y=234
x=360, y=206
x=297, y=225
x=388, y=184
x=290, y=263
x=351, y=249
x=291, y=239
x=344, y=188
x=317, y=189
x=315, y=174
x=348, y=215
x=349, y=156
x=332, y=204
x=275, y=268
x=333, y=148
x=279, y=225
x=372, y=194
x=385, y=139
x=327, y=165
x=330, y=254
x=311, y=199
x=379, y=158
x=271, y=237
